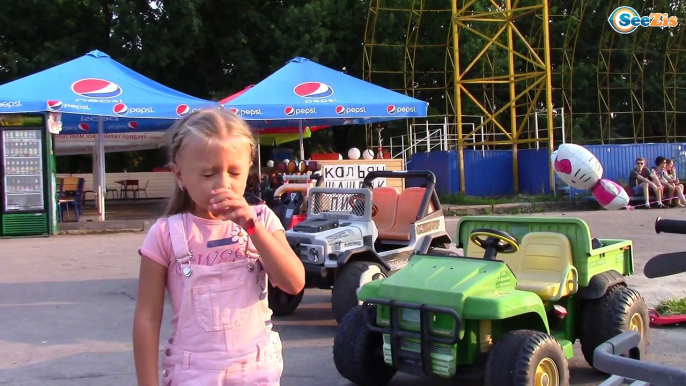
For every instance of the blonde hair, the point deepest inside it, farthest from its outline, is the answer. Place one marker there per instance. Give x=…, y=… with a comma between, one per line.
x=211, y=125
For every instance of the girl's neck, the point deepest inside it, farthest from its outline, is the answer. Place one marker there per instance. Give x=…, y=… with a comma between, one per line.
x=199, y=212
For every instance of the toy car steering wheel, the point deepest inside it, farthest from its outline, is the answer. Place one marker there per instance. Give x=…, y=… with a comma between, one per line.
x=356, y=200
x=494, y=242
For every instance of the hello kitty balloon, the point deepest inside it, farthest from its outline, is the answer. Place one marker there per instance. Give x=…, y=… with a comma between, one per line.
x=610, y=195
x=577, y=166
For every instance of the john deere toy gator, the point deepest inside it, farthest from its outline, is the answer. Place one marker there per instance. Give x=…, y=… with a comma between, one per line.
x=525, y=291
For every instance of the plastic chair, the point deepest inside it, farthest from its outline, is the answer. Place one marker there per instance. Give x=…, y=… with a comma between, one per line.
x=136, y=192
x=70, y=192
x=129, y=186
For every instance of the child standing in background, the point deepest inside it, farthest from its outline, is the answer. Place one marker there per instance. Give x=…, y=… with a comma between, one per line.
x=213, y=253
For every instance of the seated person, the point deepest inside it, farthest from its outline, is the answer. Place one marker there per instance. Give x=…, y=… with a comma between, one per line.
x=670, y=175
x=667, y=188
x=641, y=178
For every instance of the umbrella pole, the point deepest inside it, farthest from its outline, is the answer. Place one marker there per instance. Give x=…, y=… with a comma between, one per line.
x=101, y=169
x=300, y=132
x=95, y=168
x=259, y=165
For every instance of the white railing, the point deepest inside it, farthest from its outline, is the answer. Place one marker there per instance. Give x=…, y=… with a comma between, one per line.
x=443, y=136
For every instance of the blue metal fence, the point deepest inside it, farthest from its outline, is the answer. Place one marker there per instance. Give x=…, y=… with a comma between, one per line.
x=490, y=173
x=444, y=164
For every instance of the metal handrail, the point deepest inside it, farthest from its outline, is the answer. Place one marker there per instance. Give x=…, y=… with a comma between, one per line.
x=606, y=358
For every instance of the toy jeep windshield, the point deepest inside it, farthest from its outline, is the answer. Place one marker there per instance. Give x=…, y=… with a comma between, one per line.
x=353, y=236
x=525, y=291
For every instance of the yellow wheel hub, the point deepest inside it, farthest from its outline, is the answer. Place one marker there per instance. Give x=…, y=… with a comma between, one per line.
x=637, y=324
x=547, y=373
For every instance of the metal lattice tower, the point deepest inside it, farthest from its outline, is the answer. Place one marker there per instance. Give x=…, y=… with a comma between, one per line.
x=673, y=80
x=621, y=68
x=500, y=63
x=396, y=32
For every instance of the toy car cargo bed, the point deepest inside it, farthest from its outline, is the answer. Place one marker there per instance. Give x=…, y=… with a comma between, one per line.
x=614, y=254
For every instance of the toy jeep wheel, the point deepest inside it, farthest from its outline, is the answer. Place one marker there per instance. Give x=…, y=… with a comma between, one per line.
x=282, y=303
x=524, y=358
x=352, y=276
x=619, y=310
x=358, y=352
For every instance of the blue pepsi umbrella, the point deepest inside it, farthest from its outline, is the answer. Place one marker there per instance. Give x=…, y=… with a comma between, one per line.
x=88, y=124
x=97, y=85
x=305, y=92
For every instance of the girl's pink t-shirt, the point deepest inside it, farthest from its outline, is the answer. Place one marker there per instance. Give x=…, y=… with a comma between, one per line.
x=211, y=242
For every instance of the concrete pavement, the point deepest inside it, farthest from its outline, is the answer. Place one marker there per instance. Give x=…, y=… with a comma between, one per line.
x=66, y=307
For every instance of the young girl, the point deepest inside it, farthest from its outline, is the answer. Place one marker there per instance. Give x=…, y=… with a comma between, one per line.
x=212, y=252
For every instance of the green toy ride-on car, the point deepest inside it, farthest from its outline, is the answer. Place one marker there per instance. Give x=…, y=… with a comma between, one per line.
x=525, y=291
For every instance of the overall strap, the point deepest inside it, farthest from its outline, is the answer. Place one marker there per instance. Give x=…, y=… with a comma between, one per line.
x=179, y=241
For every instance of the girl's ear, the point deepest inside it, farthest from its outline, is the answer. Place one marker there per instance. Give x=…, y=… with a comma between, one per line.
x=177, y=174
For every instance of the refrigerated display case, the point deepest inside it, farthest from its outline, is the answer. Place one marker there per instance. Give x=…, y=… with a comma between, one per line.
x=25, y=197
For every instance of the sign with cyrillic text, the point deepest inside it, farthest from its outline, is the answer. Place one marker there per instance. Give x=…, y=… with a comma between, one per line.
x=351, y=176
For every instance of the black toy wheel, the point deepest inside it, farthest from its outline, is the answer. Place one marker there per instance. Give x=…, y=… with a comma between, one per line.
x=503, y=242
x=358, y=352
x=524, y=358
x=282, y=303
x=619, y=310
x=352, y=276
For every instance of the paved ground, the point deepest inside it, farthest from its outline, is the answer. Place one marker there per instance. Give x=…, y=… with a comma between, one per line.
x=66, y=306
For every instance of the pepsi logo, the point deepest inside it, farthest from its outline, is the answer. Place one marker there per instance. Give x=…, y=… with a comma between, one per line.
x=392, y=109
x=54, y=105
x=233, y=110
x=120, y=109
x=96, y=88
x=289, y=111
x=313, y=90
x=133, y=125
x=182, y=110
x=340, y=110
x=83, y=126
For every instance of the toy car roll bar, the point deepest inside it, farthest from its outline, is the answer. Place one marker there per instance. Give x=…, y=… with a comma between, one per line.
x=670, y=226
x=606, y=358
x=430, y=185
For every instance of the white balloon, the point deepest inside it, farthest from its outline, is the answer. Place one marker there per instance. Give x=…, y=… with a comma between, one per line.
x=553, y=157
x=354, y=153
x=270, y=164
x=368, y=154
x=286, y=161
x=577, y=166
x=340, y=157
x=610, y=195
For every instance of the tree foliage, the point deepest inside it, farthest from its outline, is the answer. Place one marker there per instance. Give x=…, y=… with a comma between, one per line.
x=212, y=48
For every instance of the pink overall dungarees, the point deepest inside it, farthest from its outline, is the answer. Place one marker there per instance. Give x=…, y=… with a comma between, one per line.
x=224, y=336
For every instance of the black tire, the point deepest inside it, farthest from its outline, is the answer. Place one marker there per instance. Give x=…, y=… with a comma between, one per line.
x=281, y=303
x=603, y=319
x=358, y=352
x=350, y=278
x=514, y=358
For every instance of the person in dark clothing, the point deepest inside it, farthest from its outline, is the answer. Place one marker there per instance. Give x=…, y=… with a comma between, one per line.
x=641, y=178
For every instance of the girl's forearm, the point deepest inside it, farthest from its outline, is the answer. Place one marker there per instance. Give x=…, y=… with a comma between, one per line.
x=145, y=351
x=285, y=270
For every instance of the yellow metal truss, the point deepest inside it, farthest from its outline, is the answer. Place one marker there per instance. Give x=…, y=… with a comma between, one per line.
x=467, y=85
x=529, y=90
